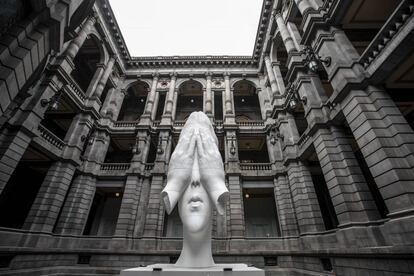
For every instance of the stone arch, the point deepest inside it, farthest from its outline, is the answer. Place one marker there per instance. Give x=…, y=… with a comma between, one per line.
x=246, y=101
x=180, y=82
x=86, y=61
x=189, y=98
x=134, y=102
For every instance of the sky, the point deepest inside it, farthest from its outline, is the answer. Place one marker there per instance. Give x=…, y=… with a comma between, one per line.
x=188, y=27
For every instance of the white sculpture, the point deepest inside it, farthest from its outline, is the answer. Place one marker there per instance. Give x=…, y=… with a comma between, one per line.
x=195, y=181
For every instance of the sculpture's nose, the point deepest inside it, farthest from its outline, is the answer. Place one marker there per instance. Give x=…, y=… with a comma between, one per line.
x=195, y=173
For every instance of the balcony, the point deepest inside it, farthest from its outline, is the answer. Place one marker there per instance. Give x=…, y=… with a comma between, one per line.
x=256, y=169
x=50, y=138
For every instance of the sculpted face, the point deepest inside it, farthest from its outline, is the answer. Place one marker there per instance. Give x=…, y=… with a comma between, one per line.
x=194, y=208
x=196, y=181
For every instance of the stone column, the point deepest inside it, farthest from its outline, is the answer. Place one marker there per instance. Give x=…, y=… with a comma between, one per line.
x=77, y=42
x=304, y=197
x=285, y=209
x=385, y=139
x=279, y=78
x=380, y=130
x=93, y=84
x=350, y=194
x=146, y=116
x=13, y=144
x=208, y=103
x=169, y=104
x=303, y=6
x=102, y=82
x=272, y=79
x=133, y=188
x=228, y=101
x=236, y=210
x=284, y=33
x=155, y=209
x=58, y=179
x=80, y=196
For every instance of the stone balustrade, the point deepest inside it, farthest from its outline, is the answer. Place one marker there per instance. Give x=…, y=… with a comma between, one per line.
x=115, y=166
x=255, y=166
x=50, y=137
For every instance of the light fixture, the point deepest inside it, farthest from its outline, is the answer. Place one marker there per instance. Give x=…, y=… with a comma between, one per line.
x=117, y=194
x=52, y=103
x=142, y=100
x=242, y=100
x=312, y=60
x=192, y=100
x=246, y=195
x=295, y=97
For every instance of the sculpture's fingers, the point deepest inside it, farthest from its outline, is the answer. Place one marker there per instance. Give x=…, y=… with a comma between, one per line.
x=192, y=143
x=200, y=146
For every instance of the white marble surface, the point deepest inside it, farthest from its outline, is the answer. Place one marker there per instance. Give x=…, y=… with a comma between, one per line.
x=173, y=270
x=195, y=182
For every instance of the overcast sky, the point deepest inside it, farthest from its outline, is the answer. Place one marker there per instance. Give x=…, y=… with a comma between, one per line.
x=188, y=27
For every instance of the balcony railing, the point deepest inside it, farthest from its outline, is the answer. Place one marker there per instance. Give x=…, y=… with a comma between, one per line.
x=252, y=123
x=156, y=124
x=255, y=166
x=115, y=166
x=77, y=89
x=50, y=137
x=126, y=123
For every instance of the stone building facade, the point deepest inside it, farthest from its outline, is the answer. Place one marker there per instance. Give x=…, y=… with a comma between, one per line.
x=315, y=130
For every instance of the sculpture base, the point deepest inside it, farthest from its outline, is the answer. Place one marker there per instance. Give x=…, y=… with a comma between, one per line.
x=172, y=270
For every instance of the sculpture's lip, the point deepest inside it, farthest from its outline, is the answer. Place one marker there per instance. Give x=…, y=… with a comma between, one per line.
x=195, y=199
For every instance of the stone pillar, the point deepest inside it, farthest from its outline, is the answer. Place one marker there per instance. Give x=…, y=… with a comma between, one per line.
x=350, y=194
x=117, y=102
x=385, y=140
x=80, y=196
x=133, y=191
x=304, y=198
x=77, y=42
x=155, y=209
x=284, y=33
x=279, y=78
x=50, y=198
x=228, y=101
x=93, y=84
x=102, y=82
x=155, y=107
x=303, y=6
x=208, y=102
x=13, y=144
x=285, y=207
x=237, y=225
x=146, y=116
x=272, y=79
x=58, y=178
x=169, y=104
x=236, y=210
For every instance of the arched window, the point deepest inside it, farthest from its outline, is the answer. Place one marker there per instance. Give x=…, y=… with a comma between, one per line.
x=190, y=99
x=86, y=61
x=246, y=101
x=134, y=103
